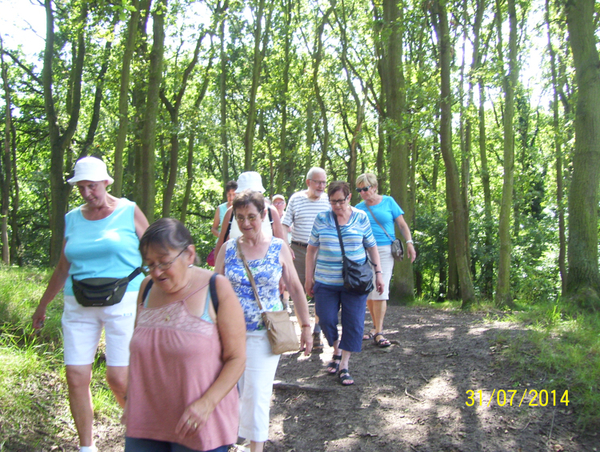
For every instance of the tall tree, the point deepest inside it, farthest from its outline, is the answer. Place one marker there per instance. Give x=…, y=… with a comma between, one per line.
x=60, y=138
x=583, y=280
x=6, y=169
x=148, y=138
x=173, y=106
x=440, y=21
x=260, y=38
x=395, y=105
x=125, y=73
x=509, y=82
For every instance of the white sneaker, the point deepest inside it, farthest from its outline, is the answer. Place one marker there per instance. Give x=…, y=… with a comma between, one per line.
x=88, y=449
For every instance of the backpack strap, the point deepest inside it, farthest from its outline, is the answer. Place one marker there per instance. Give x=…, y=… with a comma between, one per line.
x=212, y=284
x=228, y=228
x=146, y=290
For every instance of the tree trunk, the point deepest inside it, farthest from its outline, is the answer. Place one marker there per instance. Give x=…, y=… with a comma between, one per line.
x=467, y=290
x=148, y=147
x=285, y=172
x=317, y=57
x=558, y=140
x=174, y=107
x=583, y=280
x=59, y=189
x=503, y=292
x=256, y=70
x=223, y=100
x=402, y=285
x=6, y=159
x=132, y=27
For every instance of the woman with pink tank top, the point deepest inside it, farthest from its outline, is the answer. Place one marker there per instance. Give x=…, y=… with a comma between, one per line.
x=187, y=352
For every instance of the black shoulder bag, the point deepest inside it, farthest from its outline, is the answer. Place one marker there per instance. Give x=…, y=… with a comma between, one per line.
x=99, y=292
x=358, y=278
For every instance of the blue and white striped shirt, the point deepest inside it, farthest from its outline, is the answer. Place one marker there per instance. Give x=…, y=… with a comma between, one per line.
x=356, y=235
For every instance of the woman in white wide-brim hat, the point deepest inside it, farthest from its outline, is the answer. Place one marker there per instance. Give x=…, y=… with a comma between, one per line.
x=271, y=224
x=101, y=241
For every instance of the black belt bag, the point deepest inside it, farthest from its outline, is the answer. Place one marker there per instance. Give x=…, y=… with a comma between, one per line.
x=98, y=292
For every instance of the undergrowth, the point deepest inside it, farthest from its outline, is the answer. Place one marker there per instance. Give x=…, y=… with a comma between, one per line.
x=561, y=348
x=564, y=347
x=33, y=392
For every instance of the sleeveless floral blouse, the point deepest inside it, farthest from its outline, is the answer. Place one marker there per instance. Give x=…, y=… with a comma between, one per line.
x=267, y=273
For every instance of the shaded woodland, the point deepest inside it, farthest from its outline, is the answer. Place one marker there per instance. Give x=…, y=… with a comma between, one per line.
x=481, y=118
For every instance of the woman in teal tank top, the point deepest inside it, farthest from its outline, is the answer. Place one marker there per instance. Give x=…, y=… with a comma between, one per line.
x=101, y=240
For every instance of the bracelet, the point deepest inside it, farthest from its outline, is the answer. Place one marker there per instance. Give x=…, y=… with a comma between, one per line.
x=378, y=271
x=409, y=241
x=305, y=326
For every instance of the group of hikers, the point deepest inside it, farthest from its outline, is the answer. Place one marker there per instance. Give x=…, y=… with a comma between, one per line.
x=187, y=352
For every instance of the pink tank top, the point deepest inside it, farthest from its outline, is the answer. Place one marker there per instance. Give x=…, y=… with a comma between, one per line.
x=175, y=358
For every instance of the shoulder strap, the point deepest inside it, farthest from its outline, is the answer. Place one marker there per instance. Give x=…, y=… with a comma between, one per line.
x=377, y=221
x=146, y=290
x=228, y=227
x=339, y=233
x=248, y=273
x=270, y=216
x=212, y=285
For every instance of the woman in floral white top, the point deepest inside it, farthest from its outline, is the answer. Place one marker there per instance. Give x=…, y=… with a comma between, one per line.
x=269, y=260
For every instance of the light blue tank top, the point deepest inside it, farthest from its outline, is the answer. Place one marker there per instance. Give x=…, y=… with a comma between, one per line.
x=222, y=212
x=106, y=248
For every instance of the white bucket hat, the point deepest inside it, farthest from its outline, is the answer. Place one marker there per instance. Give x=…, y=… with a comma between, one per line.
x=92, y=169
x=250, y=180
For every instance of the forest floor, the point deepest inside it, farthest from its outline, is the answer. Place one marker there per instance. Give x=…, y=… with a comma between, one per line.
x=412, y=396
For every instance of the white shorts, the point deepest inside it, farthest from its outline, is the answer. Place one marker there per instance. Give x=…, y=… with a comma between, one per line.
x=82, y=328
x=256, y=387
x=387, y=267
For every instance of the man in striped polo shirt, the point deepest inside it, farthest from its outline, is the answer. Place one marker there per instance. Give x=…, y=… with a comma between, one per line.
x=301, y=212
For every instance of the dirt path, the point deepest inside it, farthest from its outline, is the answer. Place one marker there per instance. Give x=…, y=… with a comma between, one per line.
x=412, y=396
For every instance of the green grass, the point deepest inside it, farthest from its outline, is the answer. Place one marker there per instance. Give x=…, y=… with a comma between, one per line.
x=561, y=347
x=33, y=392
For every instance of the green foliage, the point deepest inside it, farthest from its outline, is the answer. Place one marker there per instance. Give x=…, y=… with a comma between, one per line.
x=33, y=392
x=562, y=350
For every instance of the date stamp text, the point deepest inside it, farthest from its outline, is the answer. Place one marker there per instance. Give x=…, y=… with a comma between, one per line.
x=513, y=397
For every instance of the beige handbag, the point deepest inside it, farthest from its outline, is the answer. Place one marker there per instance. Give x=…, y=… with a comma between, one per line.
x=280, y=329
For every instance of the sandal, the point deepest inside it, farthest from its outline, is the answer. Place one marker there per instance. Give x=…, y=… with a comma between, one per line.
x=367, y=336
x=383, y=342
x=345, y=378
x=334, y=365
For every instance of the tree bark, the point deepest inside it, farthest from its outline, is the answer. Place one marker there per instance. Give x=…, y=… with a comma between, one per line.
x=402, y=285
x=583, y=280
x=59, y=142
x=510, y=80
x=132, y=27
x=6, y=159
x=440, y=19
x=147, y=201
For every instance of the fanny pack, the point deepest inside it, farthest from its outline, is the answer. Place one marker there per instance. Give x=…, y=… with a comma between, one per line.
x=97, y=292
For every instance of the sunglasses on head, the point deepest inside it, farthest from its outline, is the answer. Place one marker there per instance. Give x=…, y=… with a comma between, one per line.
x=363, y=189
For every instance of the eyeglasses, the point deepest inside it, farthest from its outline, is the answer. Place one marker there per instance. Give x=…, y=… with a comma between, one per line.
x=319, y=182
x=338, y=202
x=250, y=218
x=363, y=189
x=163, y=266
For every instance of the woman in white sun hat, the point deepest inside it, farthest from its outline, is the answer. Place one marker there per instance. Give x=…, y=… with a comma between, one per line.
x=271, y=225
x=101, y=241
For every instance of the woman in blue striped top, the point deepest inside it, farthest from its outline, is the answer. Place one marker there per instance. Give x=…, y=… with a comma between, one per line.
x=324, y=278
